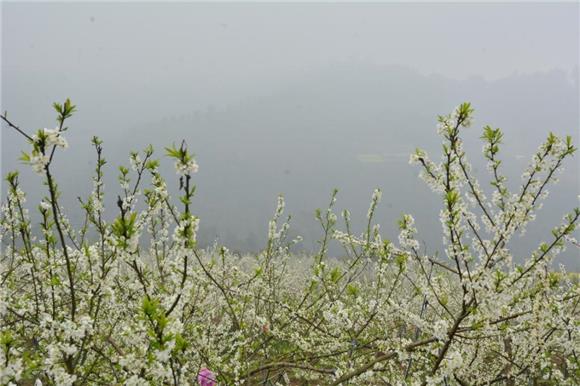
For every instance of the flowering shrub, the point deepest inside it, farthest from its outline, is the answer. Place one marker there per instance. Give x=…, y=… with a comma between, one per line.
x=133, y=300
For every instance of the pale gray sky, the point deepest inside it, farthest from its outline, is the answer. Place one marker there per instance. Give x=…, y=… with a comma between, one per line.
x=197, y=55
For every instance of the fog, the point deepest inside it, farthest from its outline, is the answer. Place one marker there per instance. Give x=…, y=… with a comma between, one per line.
x=295, y=99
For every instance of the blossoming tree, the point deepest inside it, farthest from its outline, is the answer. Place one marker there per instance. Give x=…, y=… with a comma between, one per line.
x=133, y=300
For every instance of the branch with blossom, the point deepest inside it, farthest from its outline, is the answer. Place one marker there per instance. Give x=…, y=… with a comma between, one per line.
x=133, y=299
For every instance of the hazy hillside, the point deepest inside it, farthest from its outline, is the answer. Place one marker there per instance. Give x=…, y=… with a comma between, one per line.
x=350, y=127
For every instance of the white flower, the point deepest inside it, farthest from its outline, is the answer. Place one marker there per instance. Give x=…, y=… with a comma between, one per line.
x=133, y=242
x=53, y=138
x=135, y=161
x=377, y=194
x=272, y=234
x=454, y=360
x=332, y=218
x=38, y=162
x=133, y=381
x=163, y=356
x=186, y=168
x=45, y=205
x=69, y=349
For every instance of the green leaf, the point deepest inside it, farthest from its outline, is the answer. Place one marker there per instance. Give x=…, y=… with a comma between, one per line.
x=335, y=275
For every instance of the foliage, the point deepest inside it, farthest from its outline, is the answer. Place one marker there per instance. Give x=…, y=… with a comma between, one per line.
x=134, y=300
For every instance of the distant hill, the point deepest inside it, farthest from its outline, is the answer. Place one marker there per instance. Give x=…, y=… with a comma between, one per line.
x=351, y=127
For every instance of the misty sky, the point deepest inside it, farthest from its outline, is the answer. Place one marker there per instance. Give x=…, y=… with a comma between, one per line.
x=292, y=98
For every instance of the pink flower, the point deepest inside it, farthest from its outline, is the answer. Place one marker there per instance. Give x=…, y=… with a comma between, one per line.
x=206, y=378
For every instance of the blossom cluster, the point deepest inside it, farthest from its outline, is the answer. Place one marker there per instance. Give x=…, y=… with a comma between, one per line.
x=133, y=300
